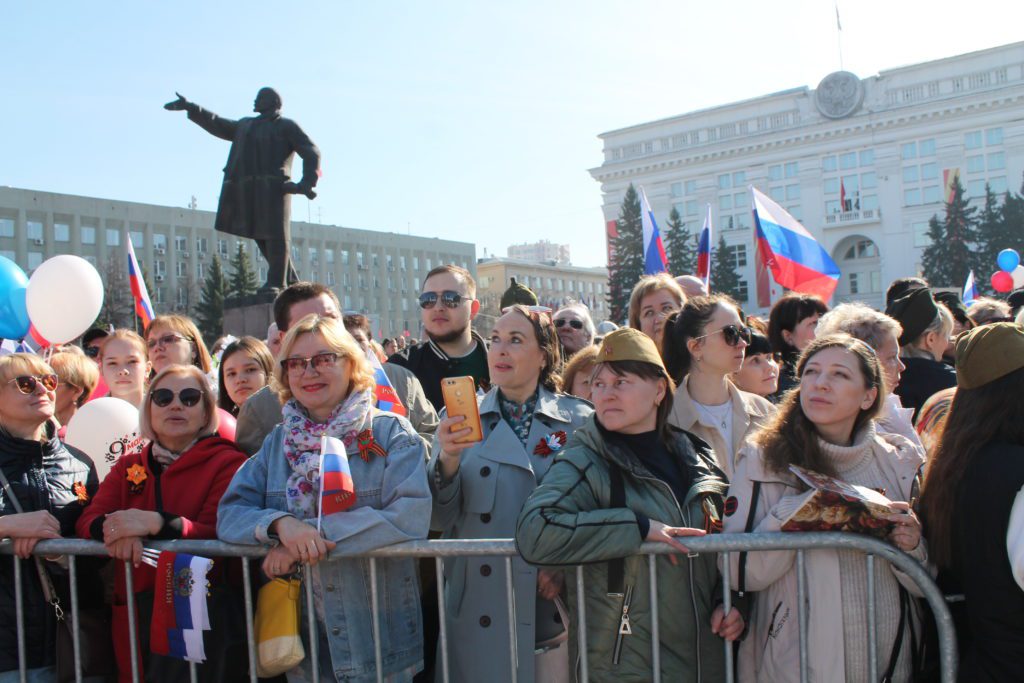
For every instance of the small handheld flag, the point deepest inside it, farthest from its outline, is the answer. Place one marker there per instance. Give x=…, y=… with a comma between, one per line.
x=970, y=289
x=796, y=259
x=337, y=490
x=143, y=306
x=704, y=251
x=655, y=260
x=387, y=397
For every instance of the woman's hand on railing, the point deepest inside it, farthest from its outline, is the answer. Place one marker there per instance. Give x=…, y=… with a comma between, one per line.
x=906, y=532
x=279, y=562
x=131, y=523
x=301, y=539
x=728, y=627
x=662, y=533
x=549, y=583
x=127, y=549
x=28, y=528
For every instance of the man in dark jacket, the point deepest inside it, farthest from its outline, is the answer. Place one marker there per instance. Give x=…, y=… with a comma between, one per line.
x=448, y=305
x=255, y=199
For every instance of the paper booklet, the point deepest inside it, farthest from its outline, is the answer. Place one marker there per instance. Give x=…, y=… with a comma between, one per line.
x=839, y=506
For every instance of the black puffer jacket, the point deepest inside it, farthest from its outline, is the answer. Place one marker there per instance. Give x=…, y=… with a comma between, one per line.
x=49, y=476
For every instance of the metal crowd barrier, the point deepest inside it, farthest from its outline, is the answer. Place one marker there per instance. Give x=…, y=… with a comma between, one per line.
x=440, y=549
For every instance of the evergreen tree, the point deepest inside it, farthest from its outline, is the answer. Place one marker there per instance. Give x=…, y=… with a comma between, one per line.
x=951, y=254
x=243, y=276
x=627, y=265
x=724, y=278
x=992, y=238
x=680, y=245
x=210, y=311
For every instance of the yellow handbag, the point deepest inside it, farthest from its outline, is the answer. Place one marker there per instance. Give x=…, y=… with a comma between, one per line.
x=278, y=641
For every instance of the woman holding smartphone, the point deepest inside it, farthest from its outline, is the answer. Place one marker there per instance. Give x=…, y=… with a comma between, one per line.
x=479, y=489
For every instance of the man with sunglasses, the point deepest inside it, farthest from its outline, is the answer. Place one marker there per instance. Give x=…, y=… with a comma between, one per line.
x=447, y=307
x=92, y=342
x=575, y=328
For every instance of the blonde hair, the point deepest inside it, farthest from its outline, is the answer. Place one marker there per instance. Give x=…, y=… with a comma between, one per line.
x=648, y=285
x=208, y=402
x=860, y=322
x=74, y=369
x=186, y=328
x=16, y=364
x=338, y=340
x=129, y=336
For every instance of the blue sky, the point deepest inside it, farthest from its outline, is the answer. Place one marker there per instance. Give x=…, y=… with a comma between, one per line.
x=473, y=121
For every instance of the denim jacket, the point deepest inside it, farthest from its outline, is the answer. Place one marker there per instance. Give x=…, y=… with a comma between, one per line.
x=392, y=505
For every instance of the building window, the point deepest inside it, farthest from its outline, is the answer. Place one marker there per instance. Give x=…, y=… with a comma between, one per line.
x=330, y=278
x=180, y=269
x=159, y=242
x=138, y=239
x=314, y=259
x=828, y=164
x=182, y=298
x=775, y=172
x=201, y=245
x=222, y=248
x=737, y=254
x=61, y=232
x=994, y=136
x=725, y=202
x=724, y=181
x=993, y=162
x=848, y=160
x=7, y=227
x=359, y=259
x=200, y=270
x=742, y=291
x=972, y=140
x=35, y=230
x=181, y=243
x=376, y=260
x=927, y=147
x=159, y=267
x=35, y=259
x=329, y=256
x=676, y=190
x=792, y=170
x=864, y=249
x=691, y=187
x=344, y=257
x=88, y=234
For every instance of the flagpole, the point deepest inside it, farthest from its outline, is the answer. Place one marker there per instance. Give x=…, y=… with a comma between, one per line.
x=839, y=34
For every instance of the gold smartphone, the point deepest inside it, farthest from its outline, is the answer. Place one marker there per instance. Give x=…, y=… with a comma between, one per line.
x=460, y=399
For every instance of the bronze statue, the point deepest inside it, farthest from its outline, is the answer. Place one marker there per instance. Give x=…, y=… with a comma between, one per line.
x=255, y=199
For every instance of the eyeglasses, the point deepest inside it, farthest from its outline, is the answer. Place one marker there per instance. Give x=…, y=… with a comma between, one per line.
x=449, y=298
x=92, y=351
x=166, y=340
x=27, y=383
x=574, y=324
x=188, y=397
x=732, y=334
x=320, y=362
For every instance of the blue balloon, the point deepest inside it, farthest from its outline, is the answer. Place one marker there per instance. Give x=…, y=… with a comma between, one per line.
x=1008, y=259
x=14, y=322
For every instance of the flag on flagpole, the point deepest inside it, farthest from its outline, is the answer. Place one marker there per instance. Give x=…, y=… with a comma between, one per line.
x=796, y=259
x=143, y=306
x=842, y=196
x=970, y=289
x=704, y=251
x=387, y=397
x=655, y=260
x=337, y=490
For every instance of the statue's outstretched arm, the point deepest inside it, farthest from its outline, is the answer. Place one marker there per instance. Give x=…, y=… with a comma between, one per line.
x=207, y=120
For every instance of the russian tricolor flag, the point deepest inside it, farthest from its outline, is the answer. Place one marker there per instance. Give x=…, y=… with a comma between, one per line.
x=655, y=260
x=387, y=397
x=796, y=259
x=143, y=306
x=180, y=611
x=970, y=289
x=704, y=251
x=337, y=490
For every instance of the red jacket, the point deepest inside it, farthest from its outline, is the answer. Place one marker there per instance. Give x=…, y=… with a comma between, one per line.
x=190, y=489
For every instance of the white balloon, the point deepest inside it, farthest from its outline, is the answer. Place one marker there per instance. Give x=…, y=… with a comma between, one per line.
x=105, y=429
x=64, y=297
x=1018, y=277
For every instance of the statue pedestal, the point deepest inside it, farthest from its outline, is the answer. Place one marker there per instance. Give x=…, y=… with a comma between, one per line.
x=249, y=315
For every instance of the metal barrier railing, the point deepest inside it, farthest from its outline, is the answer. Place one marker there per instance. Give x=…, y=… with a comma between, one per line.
x=441, y=549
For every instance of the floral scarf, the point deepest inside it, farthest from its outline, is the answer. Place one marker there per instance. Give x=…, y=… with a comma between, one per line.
x=302, y=446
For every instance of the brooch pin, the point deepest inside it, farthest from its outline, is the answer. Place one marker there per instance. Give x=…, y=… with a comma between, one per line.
x=78, y=488
x=368, y=446
x=136, y=477
x=552, y=443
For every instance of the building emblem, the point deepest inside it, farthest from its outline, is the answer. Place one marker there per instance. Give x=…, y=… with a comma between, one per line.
x=839, y=95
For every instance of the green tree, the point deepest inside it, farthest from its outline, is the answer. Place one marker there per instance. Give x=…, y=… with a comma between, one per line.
x=243, y=276
x=951, y=254
x=681, y=246
x=627, y=265
x=210, y=310
x=724, y=278
x=992, y=238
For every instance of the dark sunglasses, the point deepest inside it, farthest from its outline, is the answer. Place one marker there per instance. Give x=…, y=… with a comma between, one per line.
x=165, y=340
x=27, y=383
x=92, y=351
x=320, y=362
x=732, y=334
x=448, y=298
x=188, y=397
x=574, y=324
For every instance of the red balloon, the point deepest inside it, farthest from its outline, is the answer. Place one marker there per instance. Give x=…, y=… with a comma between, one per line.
x=100, y=391
x=226, y=430
x=36, y=337
x=1002, y=281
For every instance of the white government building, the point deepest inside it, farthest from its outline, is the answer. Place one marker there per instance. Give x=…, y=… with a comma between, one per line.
x=887, y=140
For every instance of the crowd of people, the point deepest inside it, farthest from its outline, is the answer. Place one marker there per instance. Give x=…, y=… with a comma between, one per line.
x=686, y=421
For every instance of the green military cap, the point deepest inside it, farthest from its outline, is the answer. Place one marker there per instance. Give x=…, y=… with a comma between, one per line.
x=518, y=294
x=987, y=353
x=629, y=344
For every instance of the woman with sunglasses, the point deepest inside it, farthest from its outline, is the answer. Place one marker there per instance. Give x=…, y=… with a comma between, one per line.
x=827, y=424
x=50, y=483
x=125, y=366
x=175, y=340
x=704, y=344
x=326, y=385
x=170, y=490
x=479, y=490
x=245, y=367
